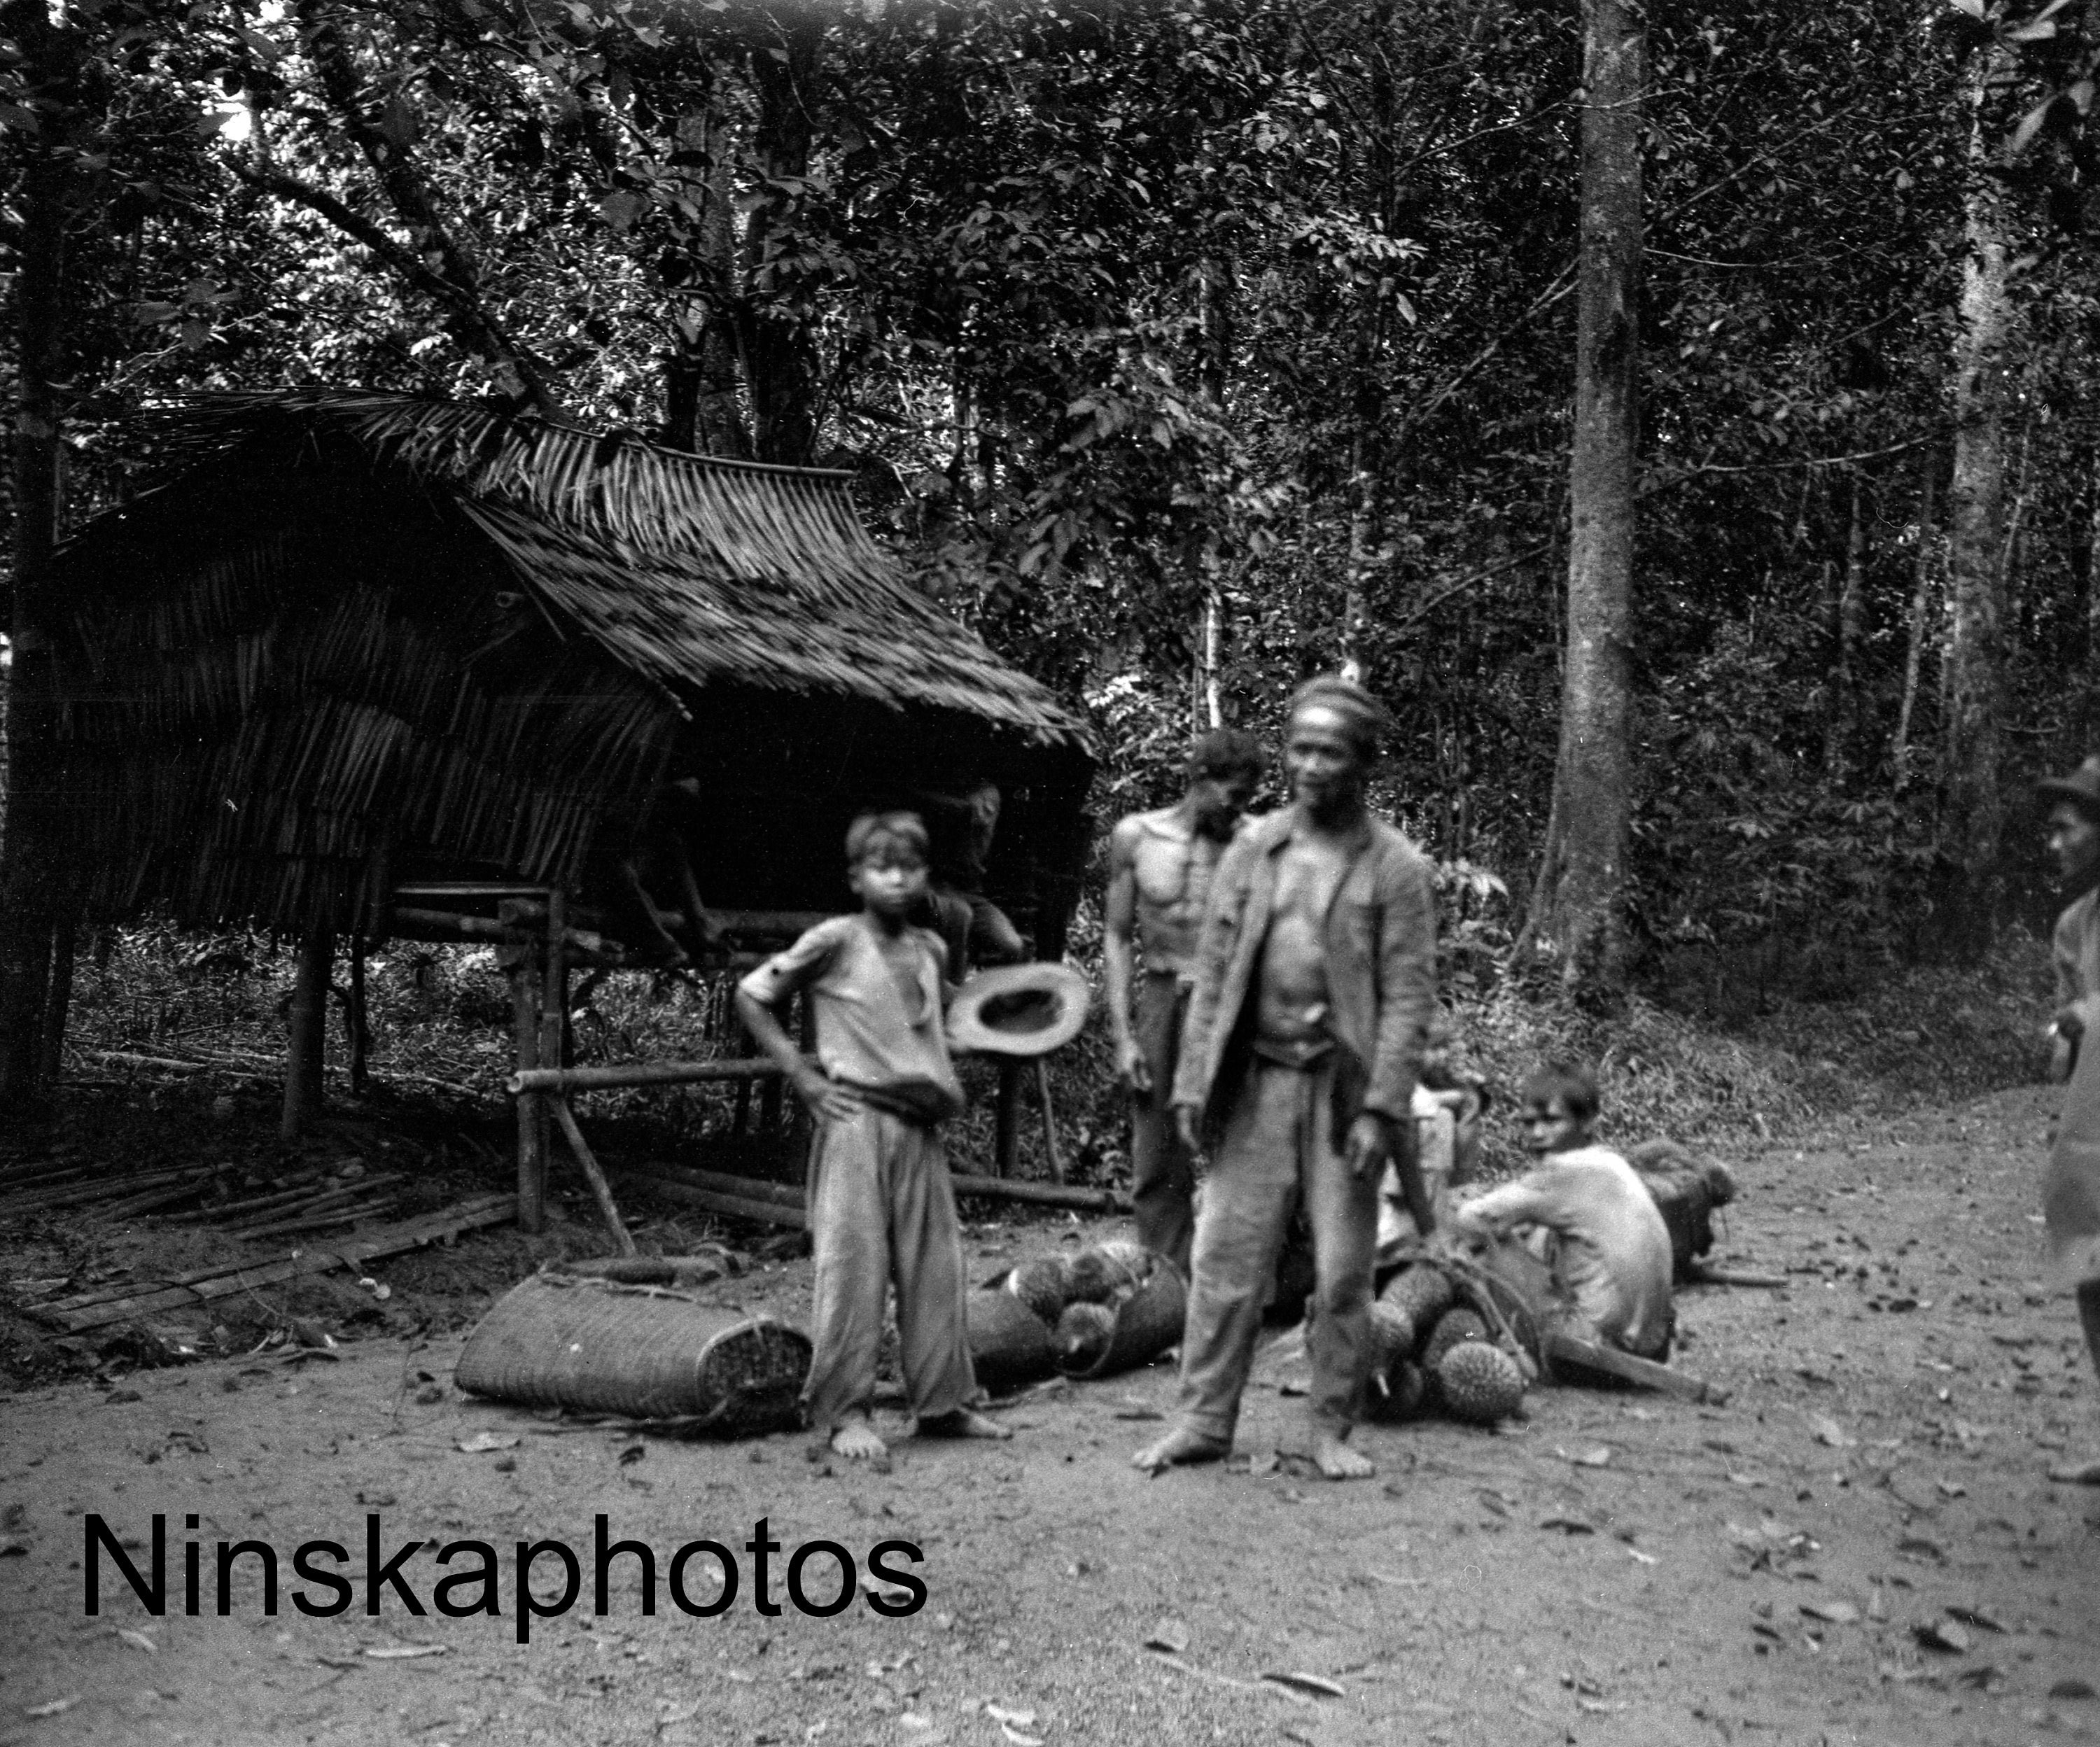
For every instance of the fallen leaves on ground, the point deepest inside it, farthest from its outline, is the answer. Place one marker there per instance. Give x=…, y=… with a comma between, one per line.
x=1316, y=1685
x=1827, y=1430
x=1596, y=1456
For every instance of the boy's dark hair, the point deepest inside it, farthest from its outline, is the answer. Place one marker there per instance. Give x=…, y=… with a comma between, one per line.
x=1576, y=1087
x=871, y=831
x=1224, y=753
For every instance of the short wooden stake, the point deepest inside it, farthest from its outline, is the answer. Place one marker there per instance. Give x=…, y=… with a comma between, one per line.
x=1049, y=1120
x=599, y=1186
x=1006, y=1130
x=531, y=1144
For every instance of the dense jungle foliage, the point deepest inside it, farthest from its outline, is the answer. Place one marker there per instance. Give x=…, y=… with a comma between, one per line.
x=1159, y=332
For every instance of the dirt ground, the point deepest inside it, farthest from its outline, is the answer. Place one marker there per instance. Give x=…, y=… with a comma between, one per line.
x=1617, y=1567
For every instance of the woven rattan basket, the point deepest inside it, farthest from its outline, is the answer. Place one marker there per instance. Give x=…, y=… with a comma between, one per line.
x=645, y=1353
x=1009, y=1346
x=1147, y=1323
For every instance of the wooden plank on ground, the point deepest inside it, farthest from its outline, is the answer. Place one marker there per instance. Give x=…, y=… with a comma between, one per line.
x=736, y=1206
x=1043, y=1194
x=1562, y=1348
x=658, y=1175
x=716, y=1182
x=106, y=1189
x=76, y=1316
x=612, y=1076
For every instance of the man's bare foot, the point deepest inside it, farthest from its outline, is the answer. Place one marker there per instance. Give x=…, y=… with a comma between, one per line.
x=963, y=1423
x=855, y=1440
x=1180, y=1444
x=1337, y=1461
x=2076, y=1473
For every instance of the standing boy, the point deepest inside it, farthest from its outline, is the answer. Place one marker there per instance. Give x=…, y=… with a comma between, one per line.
x=880, y=1204
x=2071, y=1191
x=1160, y=866
x=1605, y=1239
x=1316, y=979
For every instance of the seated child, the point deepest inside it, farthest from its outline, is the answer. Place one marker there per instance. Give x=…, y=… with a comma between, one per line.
x=1448, y=1103
x=880, y=1204
x=1605, y=1239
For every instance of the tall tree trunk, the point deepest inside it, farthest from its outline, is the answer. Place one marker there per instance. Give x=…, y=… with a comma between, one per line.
x=29, y=884
x=2091, y=721
x=1363, y=513
x=1215, y=280
x=779, y=354
x=2008, y=564
x=2092, y=565
x=1575, y=905
x=58, y=997
x=703, y=409
x=1972, y=810
x=436, y=260
x=1845, y=716
x=1921, y=598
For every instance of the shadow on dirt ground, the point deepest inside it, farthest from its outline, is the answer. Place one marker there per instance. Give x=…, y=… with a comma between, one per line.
x=1860, y=1545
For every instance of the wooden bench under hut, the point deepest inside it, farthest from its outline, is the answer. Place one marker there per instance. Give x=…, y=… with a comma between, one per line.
x=369, y=668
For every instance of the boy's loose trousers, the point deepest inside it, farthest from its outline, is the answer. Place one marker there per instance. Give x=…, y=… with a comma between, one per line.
x=882, y=1209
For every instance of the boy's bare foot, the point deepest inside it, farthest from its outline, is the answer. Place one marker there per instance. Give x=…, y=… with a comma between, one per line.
x=1180, y=1444
x=2076, y=1473
x=855, y=1440
x=963, y=1423
x=1337, y=1461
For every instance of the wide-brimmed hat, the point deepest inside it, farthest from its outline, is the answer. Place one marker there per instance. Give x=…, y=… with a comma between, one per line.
x=2081, y=788
x=1018, y=1010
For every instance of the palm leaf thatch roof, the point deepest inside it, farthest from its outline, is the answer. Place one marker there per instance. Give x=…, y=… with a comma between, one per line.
x=355, y=632
x=685, y=569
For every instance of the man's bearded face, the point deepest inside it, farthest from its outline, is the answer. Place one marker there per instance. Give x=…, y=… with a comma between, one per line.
x=1219, y=801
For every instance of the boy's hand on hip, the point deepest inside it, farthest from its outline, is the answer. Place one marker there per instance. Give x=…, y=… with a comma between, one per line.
x=2070, y=1024
x=826, y=1097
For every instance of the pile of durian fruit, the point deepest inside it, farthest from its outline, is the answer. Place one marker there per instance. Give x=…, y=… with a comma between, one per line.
x=1077, y=1295
x=1434, y=1350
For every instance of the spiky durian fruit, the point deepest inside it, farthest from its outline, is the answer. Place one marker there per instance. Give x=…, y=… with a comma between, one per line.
x=1044, y=1285
x=1479, y=1383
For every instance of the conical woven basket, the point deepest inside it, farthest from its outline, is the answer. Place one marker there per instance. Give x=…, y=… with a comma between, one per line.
x=598, y=1346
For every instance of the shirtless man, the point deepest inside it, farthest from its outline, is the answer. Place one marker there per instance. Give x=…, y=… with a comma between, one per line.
x=1316, y=982
x=1160, y=865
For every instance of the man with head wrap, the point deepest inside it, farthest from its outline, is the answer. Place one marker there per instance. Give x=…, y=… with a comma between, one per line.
x=1316, y=982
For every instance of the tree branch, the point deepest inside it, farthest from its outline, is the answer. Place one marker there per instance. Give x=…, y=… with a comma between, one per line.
x=475, y=326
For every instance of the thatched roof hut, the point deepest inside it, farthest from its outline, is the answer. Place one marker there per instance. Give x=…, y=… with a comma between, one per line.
x=360, y=639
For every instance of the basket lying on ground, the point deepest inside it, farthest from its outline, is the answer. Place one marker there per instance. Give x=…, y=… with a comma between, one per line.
x=1687, y=1187
x=1021, y=1324
x=1009, y=1344
x=644, y=1352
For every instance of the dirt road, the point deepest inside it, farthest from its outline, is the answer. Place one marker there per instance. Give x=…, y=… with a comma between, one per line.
x=1616, y=1568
